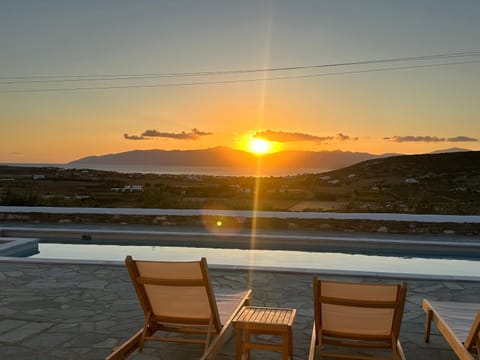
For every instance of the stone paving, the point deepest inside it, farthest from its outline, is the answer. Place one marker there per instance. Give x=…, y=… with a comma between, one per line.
x=58, y=310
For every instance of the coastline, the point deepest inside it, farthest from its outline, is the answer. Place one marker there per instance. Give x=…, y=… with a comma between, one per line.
x=178, y=170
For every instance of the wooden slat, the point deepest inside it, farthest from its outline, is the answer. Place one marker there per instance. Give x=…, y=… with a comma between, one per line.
x=358, y=303
x=267, y=316
x=170, y=282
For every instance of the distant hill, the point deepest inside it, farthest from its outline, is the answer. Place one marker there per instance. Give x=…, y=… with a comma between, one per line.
x=444, y=183
x=450, y=164
x=454, y=149
x=227, y=157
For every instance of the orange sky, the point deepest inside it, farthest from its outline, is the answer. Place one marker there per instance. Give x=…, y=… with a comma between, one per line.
x=159, y=51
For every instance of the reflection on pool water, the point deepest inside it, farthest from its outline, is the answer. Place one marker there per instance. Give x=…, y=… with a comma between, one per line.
x=273, y=258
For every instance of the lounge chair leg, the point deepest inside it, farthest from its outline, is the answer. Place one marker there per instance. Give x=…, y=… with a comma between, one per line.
x=141, y=342
x=209, y=333
x=395, y=352
x=477, y=343
x=428, y=325
x=144, y=333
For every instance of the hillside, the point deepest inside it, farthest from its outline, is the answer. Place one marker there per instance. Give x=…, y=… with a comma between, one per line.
x=436, y=165
x=226, y=157
x=445, y=183
x=427, y=183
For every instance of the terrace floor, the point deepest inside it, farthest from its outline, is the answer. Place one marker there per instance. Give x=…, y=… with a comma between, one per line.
x=58, y=310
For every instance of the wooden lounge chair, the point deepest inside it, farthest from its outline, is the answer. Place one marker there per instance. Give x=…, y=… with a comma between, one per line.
x=360, y=315
x=459, y=323
x=178, y=298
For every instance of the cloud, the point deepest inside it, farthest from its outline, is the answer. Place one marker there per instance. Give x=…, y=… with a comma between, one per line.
x=461, y=139
x=133, y=137
x=194, y=134
x=281, y=136
x=201, y=133
x=343, y=137
x=410, y=138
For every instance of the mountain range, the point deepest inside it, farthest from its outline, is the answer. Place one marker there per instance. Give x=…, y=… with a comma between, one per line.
x=231, y=158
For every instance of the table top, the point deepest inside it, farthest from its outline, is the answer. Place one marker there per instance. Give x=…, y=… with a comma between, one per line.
x=257, y=316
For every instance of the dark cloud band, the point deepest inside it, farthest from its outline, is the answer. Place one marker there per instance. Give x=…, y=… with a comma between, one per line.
x=194, y=134
x=410, y=138
x=133, y=137
x=282, y=136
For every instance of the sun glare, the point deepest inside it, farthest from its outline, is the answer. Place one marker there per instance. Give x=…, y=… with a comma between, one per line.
x=257, y=145
x=260, y=146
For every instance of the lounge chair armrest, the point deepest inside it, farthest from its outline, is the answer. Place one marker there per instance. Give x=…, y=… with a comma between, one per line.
x=313, y=344
x=125, y=349
x=227, y=329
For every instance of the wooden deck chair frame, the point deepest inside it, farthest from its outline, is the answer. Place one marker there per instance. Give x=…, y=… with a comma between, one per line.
x=345, y=315
x=459, y=323
x=178, y=298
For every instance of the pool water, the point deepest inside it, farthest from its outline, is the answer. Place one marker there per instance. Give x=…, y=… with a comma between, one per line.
x=266, y=258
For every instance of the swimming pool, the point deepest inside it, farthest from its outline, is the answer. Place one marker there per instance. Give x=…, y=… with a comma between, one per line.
x=267, y=258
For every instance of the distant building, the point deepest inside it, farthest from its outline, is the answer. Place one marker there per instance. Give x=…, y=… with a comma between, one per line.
x=130, y=188
x=81, y=197
x=241, y=189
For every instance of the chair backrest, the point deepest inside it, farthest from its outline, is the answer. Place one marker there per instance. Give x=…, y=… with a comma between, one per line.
x=175, y=292
x=358, y=310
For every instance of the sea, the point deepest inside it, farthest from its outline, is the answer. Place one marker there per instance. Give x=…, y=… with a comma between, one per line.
x=180, y=170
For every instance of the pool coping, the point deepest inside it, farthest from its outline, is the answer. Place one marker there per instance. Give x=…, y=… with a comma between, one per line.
x=263, y=241
x=351, y=273
x=434, y=218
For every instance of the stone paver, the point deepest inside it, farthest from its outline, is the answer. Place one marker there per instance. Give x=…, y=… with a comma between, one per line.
x=81, y=311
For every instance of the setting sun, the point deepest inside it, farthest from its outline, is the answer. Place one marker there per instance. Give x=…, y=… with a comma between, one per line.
x=259, y=146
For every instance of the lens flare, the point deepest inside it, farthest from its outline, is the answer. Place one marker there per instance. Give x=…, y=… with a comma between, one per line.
x=223, y=225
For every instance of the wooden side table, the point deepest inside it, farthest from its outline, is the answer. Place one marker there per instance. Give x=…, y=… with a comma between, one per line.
x=264, y=320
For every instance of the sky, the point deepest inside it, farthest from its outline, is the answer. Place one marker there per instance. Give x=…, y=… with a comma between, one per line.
x=81, y=78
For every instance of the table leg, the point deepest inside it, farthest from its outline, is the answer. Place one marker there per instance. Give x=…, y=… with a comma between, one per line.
x=239, y=344
x=247, y=343
x=290, y=342
x=285, y=346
